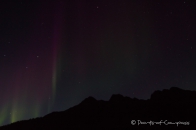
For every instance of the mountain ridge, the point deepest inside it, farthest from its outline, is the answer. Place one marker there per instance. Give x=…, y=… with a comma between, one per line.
x=172, y=104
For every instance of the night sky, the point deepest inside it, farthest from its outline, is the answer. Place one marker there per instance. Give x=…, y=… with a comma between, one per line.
x=55, y=54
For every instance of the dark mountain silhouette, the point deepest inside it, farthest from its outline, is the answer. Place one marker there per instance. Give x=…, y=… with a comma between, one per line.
x=168, y=106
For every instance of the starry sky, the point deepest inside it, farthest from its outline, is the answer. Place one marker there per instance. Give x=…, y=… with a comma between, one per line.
x=55, y=54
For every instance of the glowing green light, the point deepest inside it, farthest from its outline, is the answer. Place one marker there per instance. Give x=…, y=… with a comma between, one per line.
x=3, y=116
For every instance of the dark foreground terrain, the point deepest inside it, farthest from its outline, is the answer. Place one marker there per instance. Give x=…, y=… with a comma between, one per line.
x=173, y=108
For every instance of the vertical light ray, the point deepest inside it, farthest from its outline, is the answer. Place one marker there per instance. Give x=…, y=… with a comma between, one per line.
x=19, y=95
x=17, y=112
x=3, y=115
x=58, y=25
x=54, y=79
x=36, y=110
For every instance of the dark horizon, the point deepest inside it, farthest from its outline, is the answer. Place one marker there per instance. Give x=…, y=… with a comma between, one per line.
x=167, y=108
x=112, y=97
x=55, y=54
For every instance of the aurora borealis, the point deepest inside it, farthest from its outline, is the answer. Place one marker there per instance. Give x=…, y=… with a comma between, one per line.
x=55, y=54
